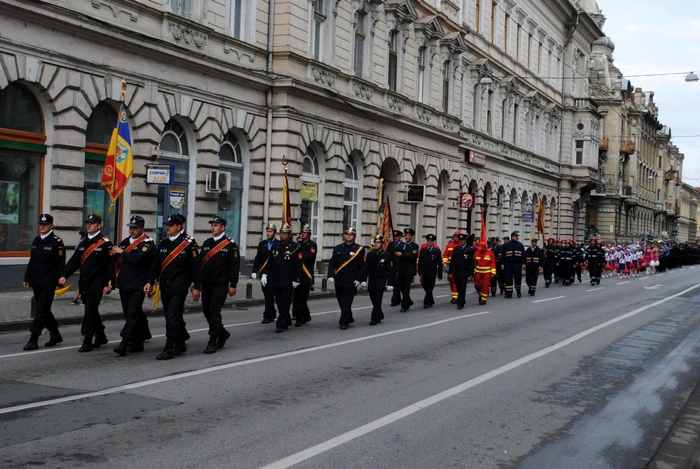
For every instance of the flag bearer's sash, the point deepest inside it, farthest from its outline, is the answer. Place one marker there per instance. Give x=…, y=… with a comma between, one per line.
x=90, y=250
x=129, y=248
x=213, y=252
x=175, y=252
x=306, y=271
x=342, y=266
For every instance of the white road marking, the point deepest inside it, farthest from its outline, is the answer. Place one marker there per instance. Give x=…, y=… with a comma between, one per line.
x=655, y=287
x=157, y=336
x=420, y=405
x=549, y=299
x=596, y=289
x=622, y=283
x=644, y=278
x=226, y=366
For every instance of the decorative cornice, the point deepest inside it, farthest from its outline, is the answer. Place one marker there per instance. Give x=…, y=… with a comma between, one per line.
x=187, y=34
x=395, y=103
x=323, y=76
x=363, y=90
x=424, y=113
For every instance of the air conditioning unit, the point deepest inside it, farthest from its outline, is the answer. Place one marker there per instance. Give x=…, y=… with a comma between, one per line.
x=218, y=181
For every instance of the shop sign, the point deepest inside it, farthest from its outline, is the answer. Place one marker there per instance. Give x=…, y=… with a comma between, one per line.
x=309, y=191
x=177, y=198
x=476, y=158
x=160, y=174
x=466, y=200
x=528, y=217
x=415, y=193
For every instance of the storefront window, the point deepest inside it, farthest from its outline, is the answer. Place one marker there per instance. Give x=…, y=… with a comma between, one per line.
x=230, y=203
x=21, y=158
x=173, y=150
x=309, y=201
x=350, y=200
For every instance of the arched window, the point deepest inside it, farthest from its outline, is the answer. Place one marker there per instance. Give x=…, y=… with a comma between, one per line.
x=95, y=199
x=351, y=197
x=230, y=205
x=22, y=149
x=174, y=151
x=311, y=182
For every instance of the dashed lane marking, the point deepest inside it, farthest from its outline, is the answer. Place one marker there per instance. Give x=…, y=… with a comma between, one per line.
x=549, y=299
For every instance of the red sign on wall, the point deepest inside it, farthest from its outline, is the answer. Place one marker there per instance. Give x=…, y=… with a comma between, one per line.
x=466, y=200
x=476, y=158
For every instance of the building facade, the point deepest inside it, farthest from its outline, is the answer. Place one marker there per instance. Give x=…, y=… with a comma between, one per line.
x=481, y=98
x=688, y=221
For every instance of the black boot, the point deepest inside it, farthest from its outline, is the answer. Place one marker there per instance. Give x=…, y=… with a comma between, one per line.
x=87, y=344
x=180, y=348
x=54, y=340
x=519, y=294
x=33, y=343
x=211, y=345
x=168, y=352
x=100, y=340
x=223, y=337
x=135, y=347
x=122, y=348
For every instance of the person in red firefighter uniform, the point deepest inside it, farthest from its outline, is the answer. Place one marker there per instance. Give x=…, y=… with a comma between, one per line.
x=484, y=268
x=446, y=256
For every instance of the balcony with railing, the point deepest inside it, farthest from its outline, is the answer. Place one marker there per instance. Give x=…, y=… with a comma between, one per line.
x=585, y=104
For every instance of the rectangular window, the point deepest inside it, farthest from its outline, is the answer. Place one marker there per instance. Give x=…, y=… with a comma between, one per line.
x=517, y=41
x=506, y=25
x=493, y=22
x=393, y=59
x=236, y=18
x=539, y=58
x=182, y=7
x=550, y=72
x=475, y=110
x=446, y=86
x=516, y=118
x=477, y=16
x=319, y=21
x=504, y=113
x=578, y=152
x=660, y=161
x=538, y=131
x=20, y=199
x=489, y=109
x=558, y=73
x=359, y=43
x=529, y=50
x=422, y=52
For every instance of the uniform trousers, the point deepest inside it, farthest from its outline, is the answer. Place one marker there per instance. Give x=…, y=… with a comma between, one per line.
x=494, y=284
x=577, y=271
x=300, y=306
x=213, y=299
x=269, y=312
x=345, y=296
x=283, y=296
x=136, y=325
x=482, y=284
x=532, y=274
x=594, y=269
x=92, y=322
x=43, y=317
x=514, y=277
x=453, y=287
x=173, y=308
x=502, y=279
x=567, y=272
x=396, y=296
x=547, y=271
x=429, y=286
x=375, y=297
x=405, y=285
x=461, y=283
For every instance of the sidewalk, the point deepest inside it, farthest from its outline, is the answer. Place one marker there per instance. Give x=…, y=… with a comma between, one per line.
x=15, y=307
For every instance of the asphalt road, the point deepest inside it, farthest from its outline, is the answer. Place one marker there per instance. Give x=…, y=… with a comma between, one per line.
x=578, y=377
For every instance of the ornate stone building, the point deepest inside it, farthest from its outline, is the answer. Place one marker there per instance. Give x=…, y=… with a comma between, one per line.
x=688, y=222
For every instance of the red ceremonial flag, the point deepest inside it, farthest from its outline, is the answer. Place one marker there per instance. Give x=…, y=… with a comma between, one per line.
x=386, y=228
x=483, y=227
x=540, y=219
x=119, y=163
x=286, y=209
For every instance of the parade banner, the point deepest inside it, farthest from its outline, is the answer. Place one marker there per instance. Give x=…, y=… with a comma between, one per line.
x=119, y=163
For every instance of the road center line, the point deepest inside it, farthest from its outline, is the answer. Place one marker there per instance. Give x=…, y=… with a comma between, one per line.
x=226, y=366
x=420, y=405
x=622, y=283
x=596, y=289
x=549, y=299
x=644, y=278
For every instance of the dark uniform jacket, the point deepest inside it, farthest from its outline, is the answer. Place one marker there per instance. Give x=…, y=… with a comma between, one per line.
x=347, y=264
x=534, y=258
x=181, y=271
x=378, y=268
x=284, y=265
x=308, y=259
x=595, y=253
x=462, y=262
x=391, y=248
x=263, y=255
x=406, y=263
x=551, y=254
x=514, y=252
x=133, y=268
x=430, y=262
x=46, y=262
x=222, y=268
x=566, y=255
x=96, y=272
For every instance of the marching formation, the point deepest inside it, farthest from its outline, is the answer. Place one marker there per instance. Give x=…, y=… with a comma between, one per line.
x=177, y=267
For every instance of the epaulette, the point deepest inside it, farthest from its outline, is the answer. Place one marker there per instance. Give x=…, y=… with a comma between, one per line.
x=105, y=238
x=148, y=239
x=57, y=238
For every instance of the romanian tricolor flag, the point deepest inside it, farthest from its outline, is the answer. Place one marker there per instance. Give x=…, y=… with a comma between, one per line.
x=286, y=209
x=386, y=228
x=119, y=164
x=540, y=218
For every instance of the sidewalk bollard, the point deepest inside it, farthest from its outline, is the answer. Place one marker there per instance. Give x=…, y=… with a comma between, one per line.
x=324, y=284
x=33, y=311
x=249, y=291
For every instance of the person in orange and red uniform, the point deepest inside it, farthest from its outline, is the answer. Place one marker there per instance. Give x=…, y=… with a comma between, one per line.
x=484, y=269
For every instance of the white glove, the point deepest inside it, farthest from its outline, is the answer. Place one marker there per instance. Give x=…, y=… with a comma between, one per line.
x=253, y=275
x=356, y=283
x=331, y=279
x=364, y=284
x=389, y=288
x=295, y=284
x=263, y=280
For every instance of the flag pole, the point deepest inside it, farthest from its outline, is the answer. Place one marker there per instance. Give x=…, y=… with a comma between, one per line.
x=380, y=198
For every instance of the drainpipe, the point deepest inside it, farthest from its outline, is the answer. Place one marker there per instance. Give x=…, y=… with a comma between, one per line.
x=268, y=104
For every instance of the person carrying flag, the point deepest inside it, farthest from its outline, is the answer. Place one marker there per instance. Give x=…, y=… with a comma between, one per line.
x=346, y=270
x=282, y=275
x=392, y=249
x=378, y=268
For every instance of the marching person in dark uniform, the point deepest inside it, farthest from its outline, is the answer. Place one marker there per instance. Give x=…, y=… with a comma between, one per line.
x=550, y=262
x=347, y=270
x=559, y=265
x=93, y=259
x=579, y=258
x=566, y=263
x=493, y=245
x=219, y=265
x=175, y=268
x=462, y=267
x=429, y=267
x=500, y=265
x=282, y=274
x=393, y=248
x=378, y=269
x=265, y=247
x=133, y=260
x=534, y=258
x=596, y=258
x=46, y=264
x=308, y=250
x=513, y=264
x=406, y=259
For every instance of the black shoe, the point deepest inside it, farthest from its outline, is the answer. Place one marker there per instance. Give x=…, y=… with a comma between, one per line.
x=135, y=347
x=33, y=343
x=223, y=337
x=122, y=348
x=298, y=324
x=294, y=317
x=509, y=295
x=460, y=307
x=100, y=340
x=519, y=294
x=307, y=320
x=395, y=304
x=343, y=327
x=351, y=321
x=402, y=310
x=265, y=321
x=426, y=306
x=493, y=293
x=482, y=302
x=279, y=331
x=211, y=346
x=54, y=340
x=180, y=348
x=454, y=301
x=168, y=352
x=87, y=345
x=373, y=322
